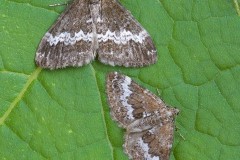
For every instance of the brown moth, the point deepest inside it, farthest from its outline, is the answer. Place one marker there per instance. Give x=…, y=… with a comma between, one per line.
x=148, y=121
x=96, y=28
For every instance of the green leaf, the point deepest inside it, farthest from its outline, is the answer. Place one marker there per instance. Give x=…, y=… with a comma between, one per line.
x=63, y=114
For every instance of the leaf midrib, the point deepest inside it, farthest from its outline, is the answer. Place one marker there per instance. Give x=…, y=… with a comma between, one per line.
x=14, y=103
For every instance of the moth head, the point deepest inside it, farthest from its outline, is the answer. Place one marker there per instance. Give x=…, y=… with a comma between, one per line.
x=173, y=111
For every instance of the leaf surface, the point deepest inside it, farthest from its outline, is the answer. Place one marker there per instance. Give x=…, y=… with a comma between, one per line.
x=63, y=114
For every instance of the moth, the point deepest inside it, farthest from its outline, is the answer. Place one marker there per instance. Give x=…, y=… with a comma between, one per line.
x=95, y=28
x=148, y=121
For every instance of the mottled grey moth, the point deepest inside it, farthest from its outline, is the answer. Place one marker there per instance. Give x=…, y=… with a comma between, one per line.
x=148, y=120
x=95, y=28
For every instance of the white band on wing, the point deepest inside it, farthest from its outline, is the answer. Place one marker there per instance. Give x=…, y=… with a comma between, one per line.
x=121, y=37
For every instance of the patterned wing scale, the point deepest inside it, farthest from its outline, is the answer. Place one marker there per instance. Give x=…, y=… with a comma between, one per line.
x=69, y=41
x=148, y=121
x=122, y=40
x=129, y=101
x=152, y=144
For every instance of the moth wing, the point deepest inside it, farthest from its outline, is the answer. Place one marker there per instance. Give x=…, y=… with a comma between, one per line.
x=152, y=144
x=122, y=40
x=130, y=102
x=69, y=41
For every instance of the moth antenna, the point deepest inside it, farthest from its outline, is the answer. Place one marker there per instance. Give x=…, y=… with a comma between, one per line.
x=158, y=92
x=58, y=4
x=177, y=129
